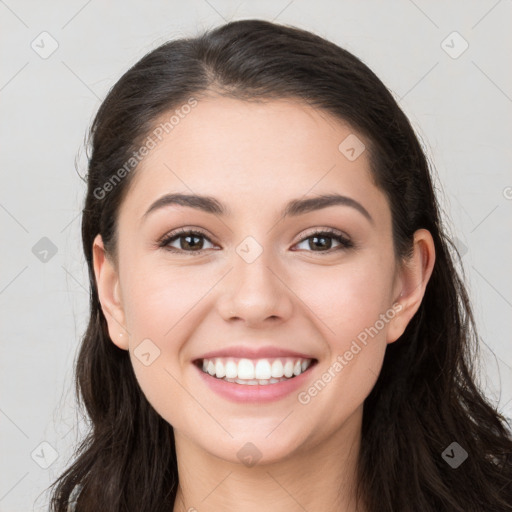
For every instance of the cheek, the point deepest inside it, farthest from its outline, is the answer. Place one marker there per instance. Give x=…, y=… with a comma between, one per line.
x=354, y=315
x=158, y=306
x=349, y=300
x=352, y=309
x=158, y=298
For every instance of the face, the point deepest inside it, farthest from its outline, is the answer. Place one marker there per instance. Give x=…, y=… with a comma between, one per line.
x=319, y=286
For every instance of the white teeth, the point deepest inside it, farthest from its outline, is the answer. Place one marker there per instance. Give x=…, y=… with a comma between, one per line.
x=253, y=382
x=288, y=369
x=219, y=369
x=262, y=370
x=254, y=372
x=245, y=369
x=231, y=370
x=277, y=369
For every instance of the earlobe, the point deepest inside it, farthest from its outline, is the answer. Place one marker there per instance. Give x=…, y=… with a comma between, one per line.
x=414, y=275
x=109, y=294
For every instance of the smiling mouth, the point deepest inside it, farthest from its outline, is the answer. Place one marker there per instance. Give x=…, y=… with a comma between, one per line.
x=254, y=372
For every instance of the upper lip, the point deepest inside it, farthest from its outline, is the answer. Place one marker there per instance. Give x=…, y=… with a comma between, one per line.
x=240, y=351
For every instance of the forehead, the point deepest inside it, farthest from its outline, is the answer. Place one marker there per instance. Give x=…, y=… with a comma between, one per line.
x=252, y=154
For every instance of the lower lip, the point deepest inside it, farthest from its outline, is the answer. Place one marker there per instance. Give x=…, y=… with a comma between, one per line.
x=254, y=393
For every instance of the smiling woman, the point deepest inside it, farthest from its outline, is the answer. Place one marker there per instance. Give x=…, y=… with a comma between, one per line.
x=276, y=319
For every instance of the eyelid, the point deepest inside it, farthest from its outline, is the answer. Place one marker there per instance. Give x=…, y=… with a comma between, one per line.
x=184, y=231
x=331, y=231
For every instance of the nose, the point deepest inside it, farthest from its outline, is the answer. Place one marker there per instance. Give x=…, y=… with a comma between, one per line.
x=256, y=293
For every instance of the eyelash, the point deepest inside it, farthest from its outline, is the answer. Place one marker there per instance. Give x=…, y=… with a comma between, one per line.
x=345, y=243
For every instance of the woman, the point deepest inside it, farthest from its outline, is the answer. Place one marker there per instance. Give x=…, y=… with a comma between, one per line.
x=276, y=319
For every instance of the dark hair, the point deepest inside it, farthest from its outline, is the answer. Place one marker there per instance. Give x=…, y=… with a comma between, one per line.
x=426, y=396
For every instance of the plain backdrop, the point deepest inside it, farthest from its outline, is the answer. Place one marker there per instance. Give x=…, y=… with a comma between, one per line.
x=445, y=63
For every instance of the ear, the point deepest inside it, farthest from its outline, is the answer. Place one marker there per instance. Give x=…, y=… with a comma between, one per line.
x=412, y=279
x=107, y=282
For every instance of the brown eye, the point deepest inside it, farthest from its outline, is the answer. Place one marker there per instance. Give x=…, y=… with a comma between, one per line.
x=189, y=241
x=192, y=241
x=321, y=241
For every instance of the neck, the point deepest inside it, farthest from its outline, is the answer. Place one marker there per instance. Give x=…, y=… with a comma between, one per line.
x=322, y=477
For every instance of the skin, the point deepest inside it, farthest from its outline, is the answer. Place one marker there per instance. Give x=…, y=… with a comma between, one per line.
x=255, y=157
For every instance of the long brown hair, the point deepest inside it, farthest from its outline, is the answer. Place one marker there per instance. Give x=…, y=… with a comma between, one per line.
x=426, y=396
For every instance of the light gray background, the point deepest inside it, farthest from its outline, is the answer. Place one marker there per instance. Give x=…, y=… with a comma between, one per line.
x=461, y=108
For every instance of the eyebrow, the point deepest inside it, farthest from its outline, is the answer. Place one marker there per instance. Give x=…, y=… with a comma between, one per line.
x=293, y=208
